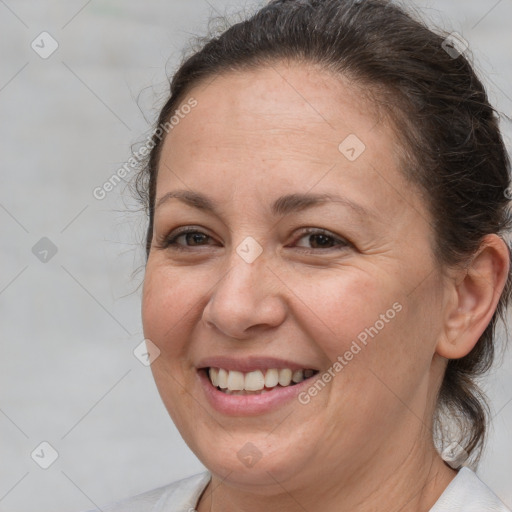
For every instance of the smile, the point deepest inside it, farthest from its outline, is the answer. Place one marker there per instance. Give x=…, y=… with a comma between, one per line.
x=256, y=382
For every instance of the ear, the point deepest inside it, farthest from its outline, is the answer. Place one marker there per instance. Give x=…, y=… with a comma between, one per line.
x=473, y=299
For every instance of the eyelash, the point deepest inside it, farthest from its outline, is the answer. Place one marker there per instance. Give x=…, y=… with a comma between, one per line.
x=170, y=242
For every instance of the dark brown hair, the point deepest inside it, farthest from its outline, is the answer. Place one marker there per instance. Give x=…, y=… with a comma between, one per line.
x=453, y=149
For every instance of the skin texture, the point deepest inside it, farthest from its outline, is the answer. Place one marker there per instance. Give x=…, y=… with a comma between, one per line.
x=364, y=442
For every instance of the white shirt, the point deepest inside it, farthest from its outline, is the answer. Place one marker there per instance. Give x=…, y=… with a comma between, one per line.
x=465, y=493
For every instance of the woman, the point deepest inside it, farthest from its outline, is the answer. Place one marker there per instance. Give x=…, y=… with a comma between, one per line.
x=326, y=264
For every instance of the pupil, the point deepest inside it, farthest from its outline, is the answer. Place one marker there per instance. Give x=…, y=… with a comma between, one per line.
x=196, y=237
x=325, y=239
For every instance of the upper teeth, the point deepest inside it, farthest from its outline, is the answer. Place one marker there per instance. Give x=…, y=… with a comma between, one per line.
x=257, y=380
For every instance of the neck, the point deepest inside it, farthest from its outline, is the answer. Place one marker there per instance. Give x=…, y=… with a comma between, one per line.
x=413, y=482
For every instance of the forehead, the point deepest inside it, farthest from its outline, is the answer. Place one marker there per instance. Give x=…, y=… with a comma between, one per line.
x=301, y=98
x=280, y=126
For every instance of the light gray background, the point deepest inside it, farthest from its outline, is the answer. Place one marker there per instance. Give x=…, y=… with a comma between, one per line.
x=68, y=327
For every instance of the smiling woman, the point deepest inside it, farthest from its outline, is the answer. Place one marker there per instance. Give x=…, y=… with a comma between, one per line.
x=326, y=264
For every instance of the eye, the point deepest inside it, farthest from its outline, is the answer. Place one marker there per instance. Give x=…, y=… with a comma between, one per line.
x=191, y=236
x=318, y=238
x=322, y=239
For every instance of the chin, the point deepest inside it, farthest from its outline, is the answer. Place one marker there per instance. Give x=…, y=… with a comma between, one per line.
x=255, y=462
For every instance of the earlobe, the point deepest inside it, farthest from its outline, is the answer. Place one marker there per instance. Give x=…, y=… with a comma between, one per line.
x=474, y=296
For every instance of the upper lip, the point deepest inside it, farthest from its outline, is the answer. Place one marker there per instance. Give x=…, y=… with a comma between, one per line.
x=251, y=363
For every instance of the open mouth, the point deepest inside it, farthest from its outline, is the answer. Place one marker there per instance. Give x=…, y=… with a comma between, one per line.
x=256, y=382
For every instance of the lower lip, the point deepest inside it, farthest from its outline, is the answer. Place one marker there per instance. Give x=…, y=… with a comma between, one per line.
x=250, y=405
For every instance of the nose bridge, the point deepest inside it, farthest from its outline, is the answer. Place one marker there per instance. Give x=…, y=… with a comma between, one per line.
x=243, y=277
x=245, y=297
x=247, y=266
x=246, y=282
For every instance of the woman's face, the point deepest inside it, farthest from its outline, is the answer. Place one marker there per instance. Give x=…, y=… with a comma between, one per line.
x=311, y=252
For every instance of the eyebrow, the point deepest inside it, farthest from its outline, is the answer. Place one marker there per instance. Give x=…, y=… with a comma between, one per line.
x=282, y=206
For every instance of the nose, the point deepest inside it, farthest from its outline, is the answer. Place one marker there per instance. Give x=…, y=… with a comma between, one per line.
x=247, y=300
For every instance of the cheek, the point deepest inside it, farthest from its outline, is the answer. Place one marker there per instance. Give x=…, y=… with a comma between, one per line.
x=170, y=299
x=167, y=300
x=370, y=322
x=349, y=304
